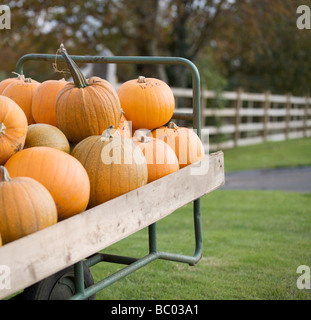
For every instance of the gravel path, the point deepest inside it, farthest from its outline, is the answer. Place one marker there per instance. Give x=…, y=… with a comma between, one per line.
x=286, y=179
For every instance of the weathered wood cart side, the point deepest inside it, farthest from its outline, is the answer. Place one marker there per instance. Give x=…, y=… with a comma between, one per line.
x=32, y=260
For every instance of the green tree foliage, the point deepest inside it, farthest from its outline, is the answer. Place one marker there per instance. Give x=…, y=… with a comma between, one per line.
x=262, y=48
x=254, y=44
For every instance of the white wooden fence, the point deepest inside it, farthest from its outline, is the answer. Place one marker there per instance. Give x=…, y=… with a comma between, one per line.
x=250, y=118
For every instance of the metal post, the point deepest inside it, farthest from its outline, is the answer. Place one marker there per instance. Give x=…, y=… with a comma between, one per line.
x=152, y=229
x=79, y=277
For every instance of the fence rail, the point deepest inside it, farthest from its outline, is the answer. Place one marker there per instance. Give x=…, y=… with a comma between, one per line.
x=249, y=118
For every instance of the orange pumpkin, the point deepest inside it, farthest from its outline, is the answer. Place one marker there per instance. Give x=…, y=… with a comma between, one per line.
x=4, y=83
x=147, y=102
x=59, y=172
x=115, y=165
x=185, y=142
x=13, y=128
x=160, y=157
x=21, y=91
x=86, y=107
x=124, y=129
x=43, y=101
x=26, y=206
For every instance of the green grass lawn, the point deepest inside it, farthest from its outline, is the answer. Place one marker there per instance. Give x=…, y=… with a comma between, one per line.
x=269, y=155
x=253, y=240
x=253, y=243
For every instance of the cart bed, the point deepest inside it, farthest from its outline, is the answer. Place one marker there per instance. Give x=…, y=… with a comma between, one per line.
x=41, y=254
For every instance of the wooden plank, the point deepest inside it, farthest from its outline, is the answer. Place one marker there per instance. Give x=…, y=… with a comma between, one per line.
x=255, y=97
x=298, y=100
x=276, y=125
x=220, y=112
x=252, y=112
x=252, y=126
x=296, y=124
x=297, y=112
x=45, y=252
x=276, y=112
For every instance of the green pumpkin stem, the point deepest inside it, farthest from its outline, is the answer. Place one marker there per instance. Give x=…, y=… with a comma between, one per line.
x=5, y=177
x=2, y=129
x=78, y=78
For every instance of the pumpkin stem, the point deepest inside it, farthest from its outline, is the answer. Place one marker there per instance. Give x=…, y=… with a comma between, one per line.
x=5, y=177
x=2, y=129
x=107, y=134
x=19, y=76
x=172, y=125
x=141, y=79
x=78, y=78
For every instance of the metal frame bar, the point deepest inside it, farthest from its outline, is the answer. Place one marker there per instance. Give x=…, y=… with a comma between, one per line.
x=134, y=264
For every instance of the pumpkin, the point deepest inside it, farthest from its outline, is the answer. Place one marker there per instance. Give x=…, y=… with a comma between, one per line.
x=115, y=165
x=86, y=107
x=21, y=92
x=4, y=83
x=13, y=128
x=59, y=172
x=147, y=102
x=43, y=101
x=185, y=142
x=26, y=206
x=0, y=240
x=41, y=134
x=124, y=128
x=160, y=157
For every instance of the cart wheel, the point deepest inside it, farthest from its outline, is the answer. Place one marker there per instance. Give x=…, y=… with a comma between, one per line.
x=59, y=286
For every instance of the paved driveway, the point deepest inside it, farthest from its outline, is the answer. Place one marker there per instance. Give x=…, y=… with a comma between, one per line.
x=286, y=179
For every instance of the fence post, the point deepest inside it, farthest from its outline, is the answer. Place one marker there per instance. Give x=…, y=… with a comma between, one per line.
x=266, y=106
x=305, y=117
x=287, y=117
x=238, y=106
x=203, y=104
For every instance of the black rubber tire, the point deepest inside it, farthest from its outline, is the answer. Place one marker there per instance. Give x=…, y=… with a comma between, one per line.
x=59, y=286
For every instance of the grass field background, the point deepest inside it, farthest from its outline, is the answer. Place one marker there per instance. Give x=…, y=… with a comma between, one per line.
x=253, y=240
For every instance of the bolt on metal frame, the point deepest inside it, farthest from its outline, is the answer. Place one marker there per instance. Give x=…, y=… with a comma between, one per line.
x=134, y=264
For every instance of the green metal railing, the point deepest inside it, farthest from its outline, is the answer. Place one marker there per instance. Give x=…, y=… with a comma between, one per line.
x=134, y=264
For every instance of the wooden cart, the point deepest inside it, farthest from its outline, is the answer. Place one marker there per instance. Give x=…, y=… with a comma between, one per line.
x=54, y=263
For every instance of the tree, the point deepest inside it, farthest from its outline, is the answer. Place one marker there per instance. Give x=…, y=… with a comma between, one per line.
x=254, y=44
x=166, y=27
x=263, y=49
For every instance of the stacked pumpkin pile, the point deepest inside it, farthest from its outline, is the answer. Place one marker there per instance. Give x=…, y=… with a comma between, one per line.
x=66, y=147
